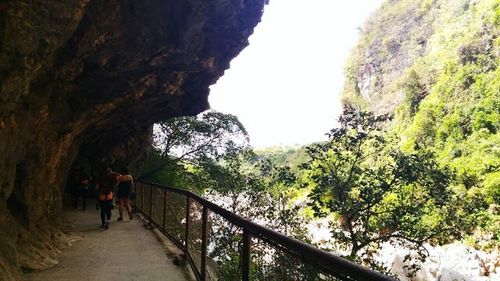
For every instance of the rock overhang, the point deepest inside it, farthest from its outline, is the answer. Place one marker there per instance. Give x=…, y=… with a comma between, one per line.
x=93, y=76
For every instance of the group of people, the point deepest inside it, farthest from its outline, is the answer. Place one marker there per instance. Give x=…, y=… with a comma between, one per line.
x=107, y=186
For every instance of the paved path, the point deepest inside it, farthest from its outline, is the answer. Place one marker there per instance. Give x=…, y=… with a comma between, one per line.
x=127, y=251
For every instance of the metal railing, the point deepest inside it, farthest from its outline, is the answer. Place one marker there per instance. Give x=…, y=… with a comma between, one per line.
x=220, y=245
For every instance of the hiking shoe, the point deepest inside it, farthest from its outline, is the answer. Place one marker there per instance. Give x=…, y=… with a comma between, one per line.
x=119, y=219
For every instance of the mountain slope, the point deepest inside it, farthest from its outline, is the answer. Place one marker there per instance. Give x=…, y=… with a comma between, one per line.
x=434, y=64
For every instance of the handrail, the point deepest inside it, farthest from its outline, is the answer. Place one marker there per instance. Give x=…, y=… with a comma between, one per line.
x=323, y=260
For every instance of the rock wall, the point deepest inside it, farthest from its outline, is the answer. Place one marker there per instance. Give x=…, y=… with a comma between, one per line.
x=88, y=77
x=391, y=41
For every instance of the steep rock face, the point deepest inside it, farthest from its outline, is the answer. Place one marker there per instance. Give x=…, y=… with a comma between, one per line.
x=88, y=77
x=405, y=37
x=392, y=39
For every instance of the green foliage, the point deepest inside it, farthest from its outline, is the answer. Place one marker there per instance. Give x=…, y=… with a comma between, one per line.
x=414, y=91
x=429, y=175
x=182, y=143
x=378, y=193
x=202, y=155
x=283, y=156
x=192, y=138
x=459, y=119
x=445, y=75
x=391, y=41
x=256, y=191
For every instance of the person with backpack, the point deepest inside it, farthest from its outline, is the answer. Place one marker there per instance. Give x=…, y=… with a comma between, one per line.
x=125, y=183
x=105, y=196
x=79, y=182
x=82, y=188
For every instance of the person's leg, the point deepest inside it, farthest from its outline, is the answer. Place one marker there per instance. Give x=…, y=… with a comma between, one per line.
x=102, y=205
x=121, y=203
x=75, y=197
x=97, y=203
x=84, y=197
x=108, y=212
x=129, y=208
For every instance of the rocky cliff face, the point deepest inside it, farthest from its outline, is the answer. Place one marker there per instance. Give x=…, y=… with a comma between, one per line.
x=88, y=78
x=391, y=41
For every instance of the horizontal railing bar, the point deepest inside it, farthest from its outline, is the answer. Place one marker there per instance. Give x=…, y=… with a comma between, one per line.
x=327, y=261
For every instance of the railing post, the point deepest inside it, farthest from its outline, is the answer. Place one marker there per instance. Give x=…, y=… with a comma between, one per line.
x=142, y=198
x=245, y=257
x=150, y=203
x=204, y=242
x=164, y=207
x=186, y=232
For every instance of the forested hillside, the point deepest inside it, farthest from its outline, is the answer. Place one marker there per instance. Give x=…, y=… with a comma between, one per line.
x=433, y=64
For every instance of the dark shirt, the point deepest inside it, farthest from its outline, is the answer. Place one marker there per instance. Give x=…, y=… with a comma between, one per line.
x=124, y=189
x=84, y=181
x=107, y=183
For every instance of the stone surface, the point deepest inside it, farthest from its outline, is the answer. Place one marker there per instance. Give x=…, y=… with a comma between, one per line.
x=450, y=262
x=86, y=79
x=127, y=251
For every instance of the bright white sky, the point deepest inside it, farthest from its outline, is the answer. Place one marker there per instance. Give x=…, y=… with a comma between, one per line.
x=285, y=86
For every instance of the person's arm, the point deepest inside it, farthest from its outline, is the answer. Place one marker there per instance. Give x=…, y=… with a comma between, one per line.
x=116, y=182
x=125, y=178
x=131, y=193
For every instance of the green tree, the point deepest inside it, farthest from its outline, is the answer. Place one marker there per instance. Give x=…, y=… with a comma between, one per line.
x=376, y=193
x=181, y=143
x=255, y=191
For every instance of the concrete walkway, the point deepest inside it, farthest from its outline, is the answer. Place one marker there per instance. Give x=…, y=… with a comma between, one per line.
x=127, y=251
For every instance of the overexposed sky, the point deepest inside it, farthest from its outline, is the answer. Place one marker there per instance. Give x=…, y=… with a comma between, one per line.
x=285, y=86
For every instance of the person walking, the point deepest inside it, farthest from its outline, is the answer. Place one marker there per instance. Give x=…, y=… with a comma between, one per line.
x=105, y=196
x=82, y=190
x=125, y=182
x=74, y=184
